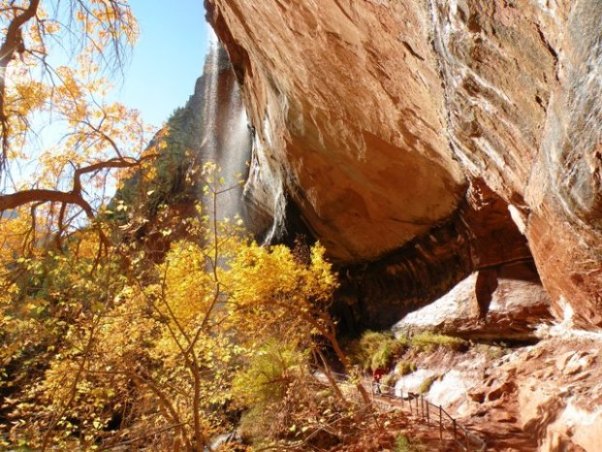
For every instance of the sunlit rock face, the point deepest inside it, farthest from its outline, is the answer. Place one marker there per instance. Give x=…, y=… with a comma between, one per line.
x=552, y=389
x=503, y=303
x=372, y=116
x=349, y=110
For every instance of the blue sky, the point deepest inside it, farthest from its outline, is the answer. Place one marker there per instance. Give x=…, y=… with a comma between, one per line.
x=161, y=73
x=168, y=58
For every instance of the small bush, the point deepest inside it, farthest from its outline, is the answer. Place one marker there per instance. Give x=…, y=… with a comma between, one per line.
x=493, y=352
x=431, y=341
x=388, y=382
x=376, y=350
x=273, y=389
x=371, y=341
x=427, y=383
x=403, y=340
x=404, y=368
x=386, y=353
x=403, y=444
x=268, y=375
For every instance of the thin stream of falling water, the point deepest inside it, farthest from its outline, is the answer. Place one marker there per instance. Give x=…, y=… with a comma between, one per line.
x=226, y=139
x=209, y=116
x=226, y=136
x=234, y=155
x=260, y=175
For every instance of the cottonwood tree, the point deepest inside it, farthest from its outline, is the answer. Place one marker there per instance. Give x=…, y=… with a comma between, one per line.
x=55, y=57
x=149, y=351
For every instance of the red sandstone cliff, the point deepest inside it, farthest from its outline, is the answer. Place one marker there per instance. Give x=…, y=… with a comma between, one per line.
x=375, y=117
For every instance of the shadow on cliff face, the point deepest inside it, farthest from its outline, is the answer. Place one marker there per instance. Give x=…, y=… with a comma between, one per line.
x=480, y=236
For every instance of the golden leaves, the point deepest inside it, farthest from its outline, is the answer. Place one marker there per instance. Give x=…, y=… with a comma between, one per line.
x=54, y=96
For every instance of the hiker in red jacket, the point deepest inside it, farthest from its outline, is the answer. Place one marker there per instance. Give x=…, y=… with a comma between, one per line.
x=376, y=377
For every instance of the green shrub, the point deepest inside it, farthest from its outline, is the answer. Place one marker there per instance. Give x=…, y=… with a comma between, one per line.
x=268, y=374
x=388, y=382
x=492, y=351
x=404, y=368
x=385, y=354
x=371, y=340
x=427, y=383
x=431, y=341
x=375, y=349
x=262, y=387
x=403, y=444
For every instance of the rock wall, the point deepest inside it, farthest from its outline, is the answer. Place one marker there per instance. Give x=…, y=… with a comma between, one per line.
x=378, y=119
x=353, y=128
x=522, y=89
x=551, y=390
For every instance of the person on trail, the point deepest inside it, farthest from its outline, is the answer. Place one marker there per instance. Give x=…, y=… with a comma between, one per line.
x=376, y=377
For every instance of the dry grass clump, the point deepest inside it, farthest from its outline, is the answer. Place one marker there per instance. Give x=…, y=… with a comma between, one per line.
x=431, y=341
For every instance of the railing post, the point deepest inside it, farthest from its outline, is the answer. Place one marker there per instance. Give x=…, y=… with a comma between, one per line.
x=427, y=411
x=455, y=429
x=440, y=423
x=410, y=403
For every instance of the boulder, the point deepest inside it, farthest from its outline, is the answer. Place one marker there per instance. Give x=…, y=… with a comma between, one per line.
x=499, y=303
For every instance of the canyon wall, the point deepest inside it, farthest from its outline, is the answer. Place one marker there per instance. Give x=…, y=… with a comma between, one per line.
x=422, y=140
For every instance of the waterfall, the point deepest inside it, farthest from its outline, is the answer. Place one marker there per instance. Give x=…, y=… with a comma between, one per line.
x=226, y=135
x=226, y=138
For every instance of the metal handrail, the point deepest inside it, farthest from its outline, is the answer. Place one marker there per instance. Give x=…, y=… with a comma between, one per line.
x=422, y=409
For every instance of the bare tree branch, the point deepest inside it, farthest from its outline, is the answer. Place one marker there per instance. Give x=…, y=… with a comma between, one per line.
x=75, y=196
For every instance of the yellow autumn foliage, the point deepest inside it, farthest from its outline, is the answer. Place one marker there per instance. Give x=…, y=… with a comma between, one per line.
x=155, y=345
